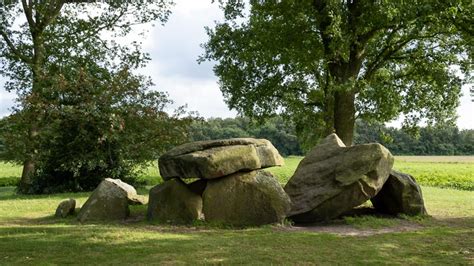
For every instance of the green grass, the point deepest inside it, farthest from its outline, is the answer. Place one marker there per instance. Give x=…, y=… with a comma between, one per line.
x=284, y=173
x=9, y=174
x=437, y=171
x=30, y=235
x=459, y=175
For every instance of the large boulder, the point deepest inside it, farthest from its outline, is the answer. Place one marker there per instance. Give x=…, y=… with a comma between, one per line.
x=109, y=201
x=218, y=158
x=242, y=199
x=400, y=195
x=333, y=179
x=65, y=208
x=173, y=202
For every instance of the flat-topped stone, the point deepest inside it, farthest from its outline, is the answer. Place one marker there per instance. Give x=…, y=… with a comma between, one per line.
x=218, y=158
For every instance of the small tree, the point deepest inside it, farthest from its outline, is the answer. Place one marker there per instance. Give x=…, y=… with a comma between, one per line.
x=82, y=113
x=324, y=63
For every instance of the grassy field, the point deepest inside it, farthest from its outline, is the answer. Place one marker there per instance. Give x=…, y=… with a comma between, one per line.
x=30, y=235
x=437, y=171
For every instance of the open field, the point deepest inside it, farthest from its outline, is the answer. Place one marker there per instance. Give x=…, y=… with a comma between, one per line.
x=436, y=159
x=438, y=171
x=30, y=235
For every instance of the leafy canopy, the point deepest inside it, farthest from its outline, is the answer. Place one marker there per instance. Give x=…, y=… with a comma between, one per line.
x=390, y=58
x=82, y=113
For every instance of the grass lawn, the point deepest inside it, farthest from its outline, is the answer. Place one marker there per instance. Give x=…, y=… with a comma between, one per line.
x=29, y=234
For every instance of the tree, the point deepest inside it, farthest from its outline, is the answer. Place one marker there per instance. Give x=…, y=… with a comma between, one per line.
x=325, y=63
x=96, y=128
x=56, y=43
x=276, y=130
x=439, y=140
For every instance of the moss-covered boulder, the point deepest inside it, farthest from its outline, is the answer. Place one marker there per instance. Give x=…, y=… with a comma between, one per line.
x=333, y=179
x=242, y=199
x=173, y=202
x=109, y=201
x=218, y=158
x=65, y=208
x=400, y=195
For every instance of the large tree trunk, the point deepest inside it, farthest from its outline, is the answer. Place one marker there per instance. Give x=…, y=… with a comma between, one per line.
x=35, y=98
x=344, y=116
x=26, y=176
x=39, y=14
x=29, y=164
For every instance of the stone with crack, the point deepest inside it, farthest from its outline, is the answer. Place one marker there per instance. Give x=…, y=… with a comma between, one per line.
x=217, y=158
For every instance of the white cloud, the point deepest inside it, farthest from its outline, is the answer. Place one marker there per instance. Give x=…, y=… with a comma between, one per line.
x=200, y=95
x=174, y=49
x=6, y=99
x=466, y=109
x=176, y=46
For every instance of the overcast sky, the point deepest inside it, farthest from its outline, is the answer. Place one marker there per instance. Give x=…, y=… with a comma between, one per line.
x=174, y=49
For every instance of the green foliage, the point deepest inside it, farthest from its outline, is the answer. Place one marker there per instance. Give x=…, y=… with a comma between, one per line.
x=279, y=132
x=10, y=181
x=82, y=113
x=446, y=140
x=324, y=63
x=97, y=128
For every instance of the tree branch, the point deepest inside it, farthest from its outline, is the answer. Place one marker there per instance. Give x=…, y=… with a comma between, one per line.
x=53, y=12
x=27, y=9
x=13, y=49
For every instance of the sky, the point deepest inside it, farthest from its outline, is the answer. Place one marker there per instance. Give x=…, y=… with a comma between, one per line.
x=175, y=48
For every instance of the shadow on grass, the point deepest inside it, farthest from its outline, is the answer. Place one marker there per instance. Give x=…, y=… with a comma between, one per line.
x=118, y=244
x=9, y=193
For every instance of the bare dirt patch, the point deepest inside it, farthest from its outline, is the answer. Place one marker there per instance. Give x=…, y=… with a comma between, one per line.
x=350, y=230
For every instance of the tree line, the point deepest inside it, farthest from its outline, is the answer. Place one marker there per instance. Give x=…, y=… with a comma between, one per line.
x=447, y=140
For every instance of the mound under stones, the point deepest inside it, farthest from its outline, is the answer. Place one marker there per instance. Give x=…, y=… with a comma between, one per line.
x=232, y=187
x=173, y=202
